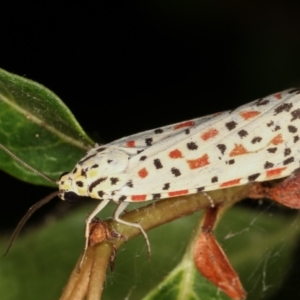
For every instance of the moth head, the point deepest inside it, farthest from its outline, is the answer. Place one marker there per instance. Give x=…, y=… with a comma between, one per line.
x=64, y=185
x=71, y=186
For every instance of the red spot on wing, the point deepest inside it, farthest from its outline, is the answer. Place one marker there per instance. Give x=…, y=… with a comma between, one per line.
x=143, y=173
x=275, y=172
x=230, y=183
x=178, y=193
x=175, y=154
x=246, y=115
x=209, y=134
x=277, y=140
x=238, y=150
x=278, y=96
x=184, y=124
x=130, y=143
x=199, y=162
x=138, y=197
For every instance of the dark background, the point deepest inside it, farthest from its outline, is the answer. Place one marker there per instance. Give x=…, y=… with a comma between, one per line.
x=124, y=67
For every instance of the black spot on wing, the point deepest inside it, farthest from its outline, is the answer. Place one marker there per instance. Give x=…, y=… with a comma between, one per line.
x=175, y=172
x=95, y=183
x=192, y=146
x=166, y=186
x=253, y=177
x=230, y=162
x=158, y=131
x=294, y=91
x=231, y=125
x=242, y=133
x=157, y=163
x=129, y=183
x=114, y=180
x=262, y=102
x=292, y=129
x=288, y=161
x=214, y=179
x=256, y=139
x=268, y=165
x=122, y=198
x=156, y=196
x=295, y=114
x=283, y=107
x=149, y=141
x=272, y=150
x=221, y=147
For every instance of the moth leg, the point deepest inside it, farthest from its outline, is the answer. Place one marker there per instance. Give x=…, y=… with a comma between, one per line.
x=89, y=219
x=211, y=201
x=120, y=209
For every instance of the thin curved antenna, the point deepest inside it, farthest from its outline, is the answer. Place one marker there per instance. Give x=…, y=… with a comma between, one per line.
x=28, y=214
x=21, y=162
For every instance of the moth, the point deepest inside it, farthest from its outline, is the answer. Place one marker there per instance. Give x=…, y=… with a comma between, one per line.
x=255, y=142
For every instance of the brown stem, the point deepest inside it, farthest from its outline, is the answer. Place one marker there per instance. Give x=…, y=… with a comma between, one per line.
x=150, y=216
x=101, y=260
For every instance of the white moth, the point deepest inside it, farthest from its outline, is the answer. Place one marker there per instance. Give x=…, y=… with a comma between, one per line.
x=258, y=141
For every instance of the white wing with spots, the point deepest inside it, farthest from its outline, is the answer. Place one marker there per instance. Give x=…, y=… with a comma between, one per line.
x=255, y=142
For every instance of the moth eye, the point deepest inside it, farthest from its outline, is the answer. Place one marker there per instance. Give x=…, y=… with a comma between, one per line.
x=71, y=197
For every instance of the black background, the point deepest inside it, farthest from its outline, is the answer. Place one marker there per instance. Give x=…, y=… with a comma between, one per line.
x=124, y=67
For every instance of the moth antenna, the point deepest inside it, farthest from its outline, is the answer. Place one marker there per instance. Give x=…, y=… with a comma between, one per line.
x=22, y=163
x=28, y=214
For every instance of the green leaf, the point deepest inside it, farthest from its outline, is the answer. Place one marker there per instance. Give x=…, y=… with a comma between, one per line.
x=37, y=126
